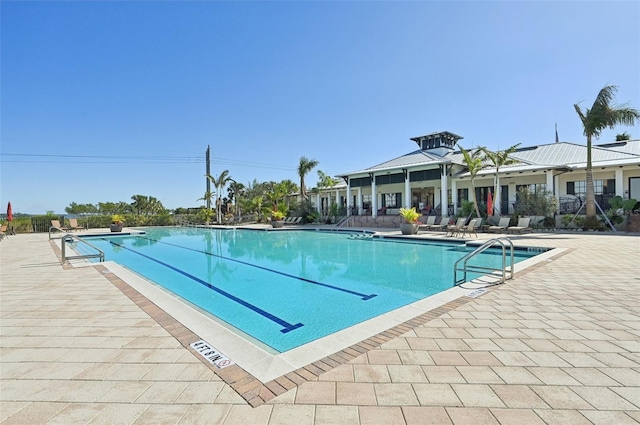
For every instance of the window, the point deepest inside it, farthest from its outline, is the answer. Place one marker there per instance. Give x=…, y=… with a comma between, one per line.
x=533, y=188
x=391, y=200
x=463, y=195
x=366, y=202
x=579, y=188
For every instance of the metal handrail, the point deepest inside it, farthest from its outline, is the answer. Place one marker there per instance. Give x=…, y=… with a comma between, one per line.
x=69, y=238
x=56, y=228
x=488, y=244
x=343, y=221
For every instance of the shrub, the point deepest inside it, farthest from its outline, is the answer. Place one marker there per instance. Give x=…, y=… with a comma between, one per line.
x=535, y=203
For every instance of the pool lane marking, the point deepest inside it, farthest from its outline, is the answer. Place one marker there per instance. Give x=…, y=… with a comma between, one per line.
x=364, y=297
x=288, y=327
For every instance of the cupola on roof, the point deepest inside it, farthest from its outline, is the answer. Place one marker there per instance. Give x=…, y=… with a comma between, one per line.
x=442, y=142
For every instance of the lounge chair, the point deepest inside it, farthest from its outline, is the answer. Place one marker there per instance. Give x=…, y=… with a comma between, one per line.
x=522, y=227
x=471, y=227
x=57, y=225
x=431, y=220
x=73, y=224
x=453, y=229
x=444, y=222
x=294, y=220
x=3, y=232
x=501, y=227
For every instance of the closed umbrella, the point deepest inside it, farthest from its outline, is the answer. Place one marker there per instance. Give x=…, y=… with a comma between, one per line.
x=10, y=218
x=489, y=204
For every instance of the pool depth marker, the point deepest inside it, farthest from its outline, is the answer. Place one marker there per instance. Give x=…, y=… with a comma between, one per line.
x=364, y=297
x=288, y=327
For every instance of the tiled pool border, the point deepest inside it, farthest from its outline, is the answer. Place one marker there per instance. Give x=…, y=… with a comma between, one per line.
x=251, y=389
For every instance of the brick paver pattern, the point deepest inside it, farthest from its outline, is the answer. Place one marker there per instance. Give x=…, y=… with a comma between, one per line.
x=559, y=344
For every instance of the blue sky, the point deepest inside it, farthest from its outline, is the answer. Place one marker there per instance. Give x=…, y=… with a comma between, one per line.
x=122, y=98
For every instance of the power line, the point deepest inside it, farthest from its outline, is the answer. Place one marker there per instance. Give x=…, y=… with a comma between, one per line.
x=30, y=158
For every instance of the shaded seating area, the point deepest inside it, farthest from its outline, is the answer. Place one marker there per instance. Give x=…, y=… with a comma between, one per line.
x=500, y=227
x=523, y=226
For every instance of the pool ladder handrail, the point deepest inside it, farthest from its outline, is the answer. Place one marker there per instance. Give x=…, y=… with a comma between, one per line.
x=69, y=238
x=488, y=244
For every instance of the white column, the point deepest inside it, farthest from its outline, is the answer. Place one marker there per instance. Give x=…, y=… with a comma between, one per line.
x=407, y=191
x=348, y=197
x=337, y=197
x=374, y=197
x=552, y=185
x=443, y=183
x=454, y=195
x=318, y=203
x=359, y=200
x=619, y=183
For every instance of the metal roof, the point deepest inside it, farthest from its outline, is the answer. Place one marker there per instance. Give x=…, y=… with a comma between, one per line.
x=554, y=155
x=626, y=146
x=415, y=158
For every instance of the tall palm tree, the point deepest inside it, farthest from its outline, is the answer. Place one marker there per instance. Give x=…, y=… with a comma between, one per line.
x=304, y=167
x=474, y=162
x=219, y=184
x=499, y=159
x=602, y=115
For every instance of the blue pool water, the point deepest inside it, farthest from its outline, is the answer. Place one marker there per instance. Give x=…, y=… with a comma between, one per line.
x=287, y=288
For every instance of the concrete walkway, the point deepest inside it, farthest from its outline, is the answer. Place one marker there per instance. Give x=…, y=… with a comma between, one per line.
x=560, y=344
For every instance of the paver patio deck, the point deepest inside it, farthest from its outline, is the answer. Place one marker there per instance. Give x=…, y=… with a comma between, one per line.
x=559, y=344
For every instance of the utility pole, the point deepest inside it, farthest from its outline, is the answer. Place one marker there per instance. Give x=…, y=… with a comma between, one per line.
x=208, y=161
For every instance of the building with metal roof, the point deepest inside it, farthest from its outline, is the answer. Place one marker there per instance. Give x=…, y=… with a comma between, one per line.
x=437, y=171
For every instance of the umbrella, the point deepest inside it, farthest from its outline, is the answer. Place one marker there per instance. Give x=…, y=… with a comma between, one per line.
x=9, y=216
x=489, y=204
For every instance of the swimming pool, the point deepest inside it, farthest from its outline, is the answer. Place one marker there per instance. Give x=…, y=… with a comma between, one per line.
x=287, y=288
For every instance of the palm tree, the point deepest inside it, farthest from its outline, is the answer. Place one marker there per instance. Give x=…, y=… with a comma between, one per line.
x=289, y=187
x=499, y=159
x=219, y=184
x=474, y=162
x=207, y=197
x=325, y=181
x=602, y=115
x=139, y=203
x=304, y=167
x=236, y=191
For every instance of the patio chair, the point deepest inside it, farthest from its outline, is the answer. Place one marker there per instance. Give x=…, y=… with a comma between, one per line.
x=294, y=220
x=444, y=222
x=522, y=227
x=471, y=227
x=57, y=225
x=431, y=220
x=501, y=227
x=73, y=224
x=453, y=229
x=3, y=232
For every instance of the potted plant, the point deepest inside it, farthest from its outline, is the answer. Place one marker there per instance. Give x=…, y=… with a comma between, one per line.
x=411, y=223
x=117, y=223
x=277, y=218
